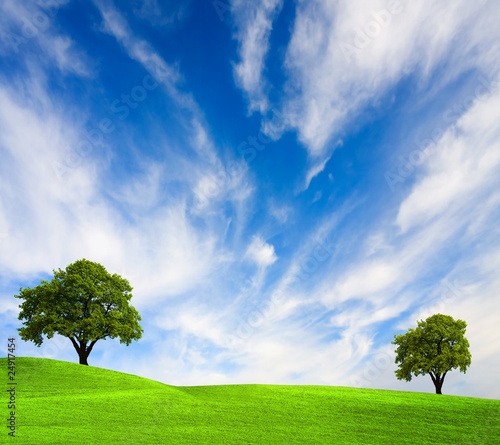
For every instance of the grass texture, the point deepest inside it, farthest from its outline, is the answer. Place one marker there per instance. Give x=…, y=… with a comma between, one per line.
x=60, y=403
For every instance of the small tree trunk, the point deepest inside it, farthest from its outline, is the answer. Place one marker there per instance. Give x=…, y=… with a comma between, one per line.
x=439, y=384
x=83, y=353
x=83, y=358
x=82, y=349
x=438, y=381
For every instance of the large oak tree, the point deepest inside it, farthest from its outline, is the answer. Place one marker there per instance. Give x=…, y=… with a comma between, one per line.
x=84, y=303
x=435, y=347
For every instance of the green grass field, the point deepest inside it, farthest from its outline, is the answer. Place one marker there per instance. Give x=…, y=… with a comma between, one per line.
x=66, y=403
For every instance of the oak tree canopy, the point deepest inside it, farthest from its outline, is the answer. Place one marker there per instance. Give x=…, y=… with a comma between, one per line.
x=435, y=347
x=84, y=303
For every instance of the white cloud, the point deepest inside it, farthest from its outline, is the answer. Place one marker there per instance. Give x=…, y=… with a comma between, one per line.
x=66, y=57
x=213, y=181
x=141, y=51
x=220, y=184
x=193, y=319
x=26, y=23
x=48, y=221
x=166, y=255
x=314, y=171
x=163, y=15
x=366, y=280
x=254, y=21
x=464, y=166
x=54, y=208
x=142, y=193
x=39, y=218
x=280, y=213
x=9, y=304
x=376, y=243
x=288, y=353
x=332, y=89
x=261, y=252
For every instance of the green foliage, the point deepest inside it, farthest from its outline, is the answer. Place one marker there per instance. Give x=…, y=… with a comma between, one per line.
x=436, y=346
x=84, y=303
x=64, y=403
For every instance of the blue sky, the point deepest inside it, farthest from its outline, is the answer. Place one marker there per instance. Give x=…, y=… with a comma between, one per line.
x=286, y=185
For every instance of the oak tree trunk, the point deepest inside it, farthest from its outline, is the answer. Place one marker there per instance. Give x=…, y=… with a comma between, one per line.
x=83, y=358
x=438, y=387
x=82, y=349
x=438, y=381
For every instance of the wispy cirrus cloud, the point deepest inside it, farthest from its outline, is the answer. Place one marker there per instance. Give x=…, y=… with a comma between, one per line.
x=142, y=51
x=162, y=15
x=330, y=87
x=52, y=221
x=464, y=166
x=29, y=26
x=50, y=218
x=219, y=181
x=254, y=21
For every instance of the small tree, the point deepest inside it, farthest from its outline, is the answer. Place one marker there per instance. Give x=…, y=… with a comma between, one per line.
x=84, y=303
x=435, y=347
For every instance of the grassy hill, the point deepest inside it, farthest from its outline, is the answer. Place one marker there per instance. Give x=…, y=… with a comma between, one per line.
x=60, y=403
